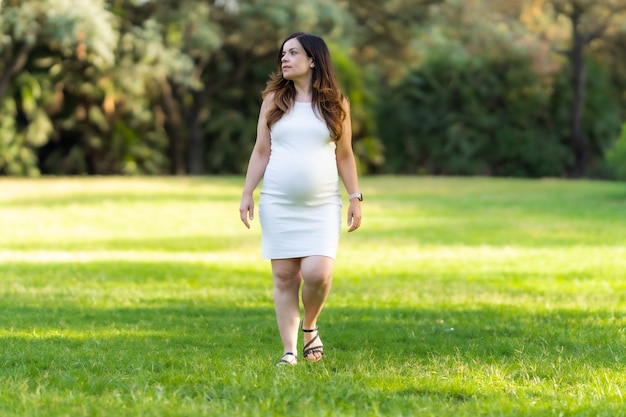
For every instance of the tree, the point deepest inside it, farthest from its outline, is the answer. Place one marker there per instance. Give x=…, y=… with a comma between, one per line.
x=384, y=32
x=479, y=105
x=188, y=28
x=83, y=87
x=36, y=39
x=589, y=21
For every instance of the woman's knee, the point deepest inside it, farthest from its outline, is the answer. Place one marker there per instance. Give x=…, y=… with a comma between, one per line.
x=286, y=274
x=317, y=270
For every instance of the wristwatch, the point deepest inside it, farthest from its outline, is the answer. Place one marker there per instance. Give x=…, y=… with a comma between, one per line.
x=356, y=195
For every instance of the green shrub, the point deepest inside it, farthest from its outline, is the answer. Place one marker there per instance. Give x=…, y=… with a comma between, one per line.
x=616, y=156
x=493, y=114
x=473, y=117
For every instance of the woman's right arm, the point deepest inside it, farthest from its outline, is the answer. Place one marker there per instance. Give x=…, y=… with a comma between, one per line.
x=256, y=166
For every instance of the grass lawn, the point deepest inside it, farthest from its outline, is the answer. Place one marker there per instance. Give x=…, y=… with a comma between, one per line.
x=457, y=297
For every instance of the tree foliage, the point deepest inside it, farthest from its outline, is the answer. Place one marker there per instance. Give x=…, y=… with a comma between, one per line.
x=474, y=117
x=616, y=156
x=44, y=44
x=439, y=86
x=491, y=97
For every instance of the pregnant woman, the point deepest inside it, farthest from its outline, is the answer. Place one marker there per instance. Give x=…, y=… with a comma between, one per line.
x=303, y=146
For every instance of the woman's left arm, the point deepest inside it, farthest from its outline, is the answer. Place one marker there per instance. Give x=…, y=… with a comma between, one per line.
x=346, y=165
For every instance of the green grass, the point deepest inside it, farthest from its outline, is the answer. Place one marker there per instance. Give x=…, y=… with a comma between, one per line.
x=458, y=297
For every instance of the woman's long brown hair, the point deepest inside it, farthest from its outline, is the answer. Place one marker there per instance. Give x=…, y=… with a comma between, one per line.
x=326, y=97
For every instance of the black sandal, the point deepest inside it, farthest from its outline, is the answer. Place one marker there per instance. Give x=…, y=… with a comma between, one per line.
x=306, y=351
x=285, y=361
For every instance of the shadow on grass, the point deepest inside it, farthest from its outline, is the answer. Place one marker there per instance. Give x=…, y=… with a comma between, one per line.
x=207, y=334
x=484, y=334
x=229, y=307
x=224, y=352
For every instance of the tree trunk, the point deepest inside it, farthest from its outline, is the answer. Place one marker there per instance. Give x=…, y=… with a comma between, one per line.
x=195, y=149
x=578, y=140
x=174, y=129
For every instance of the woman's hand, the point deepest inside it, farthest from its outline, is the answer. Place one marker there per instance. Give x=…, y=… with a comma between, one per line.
x=246, y=210
x=354, y=214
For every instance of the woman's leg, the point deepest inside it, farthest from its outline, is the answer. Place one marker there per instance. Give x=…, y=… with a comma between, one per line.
x=287, y=278
x=317, y=273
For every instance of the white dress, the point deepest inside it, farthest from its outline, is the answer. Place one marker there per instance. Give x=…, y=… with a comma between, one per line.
x=300, y=204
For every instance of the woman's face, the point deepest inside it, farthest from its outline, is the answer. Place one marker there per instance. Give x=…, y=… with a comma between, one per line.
x=295, y=63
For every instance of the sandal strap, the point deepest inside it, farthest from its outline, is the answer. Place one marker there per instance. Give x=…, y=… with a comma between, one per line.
x=311, y=341
x=294, y=361
x=309, y=330
x=316, y=349
x=306, y=351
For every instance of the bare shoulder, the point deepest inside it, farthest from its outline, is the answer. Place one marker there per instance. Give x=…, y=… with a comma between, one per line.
x=268, y=100
x=345, y=104
x=266, y=105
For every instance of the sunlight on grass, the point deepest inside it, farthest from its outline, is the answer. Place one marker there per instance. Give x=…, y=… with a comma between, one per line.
x=458, y=297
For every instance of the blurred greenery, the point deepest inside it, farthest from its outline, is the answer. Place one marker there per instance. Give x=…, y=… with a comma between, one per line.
x=617, y=156
x=473, y=87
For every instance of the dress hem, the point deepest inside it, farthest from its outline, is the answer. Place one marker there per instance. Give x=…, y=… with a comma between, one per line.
x=297, y=256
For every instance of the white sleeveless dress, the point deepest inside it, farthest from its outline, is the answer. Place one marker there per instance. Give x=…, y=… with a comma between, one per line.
x=300, y=203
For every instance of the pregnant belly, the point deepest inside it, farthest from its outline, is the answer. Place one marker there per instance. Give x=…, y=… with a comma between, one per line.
x=300, y=180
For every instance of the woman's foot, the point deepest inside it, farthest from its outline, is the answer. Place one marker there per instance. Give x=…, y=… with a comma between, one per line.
x=288, y=359
x=313, y=347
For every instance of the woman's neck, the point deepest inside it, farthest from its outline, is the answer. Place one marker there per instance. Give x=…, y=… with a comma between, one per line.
x=304, y=92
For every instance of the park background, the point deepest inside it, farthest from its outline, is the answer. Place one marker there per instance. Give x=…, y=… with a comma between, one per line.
x=521, y=88
x=485, y=280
